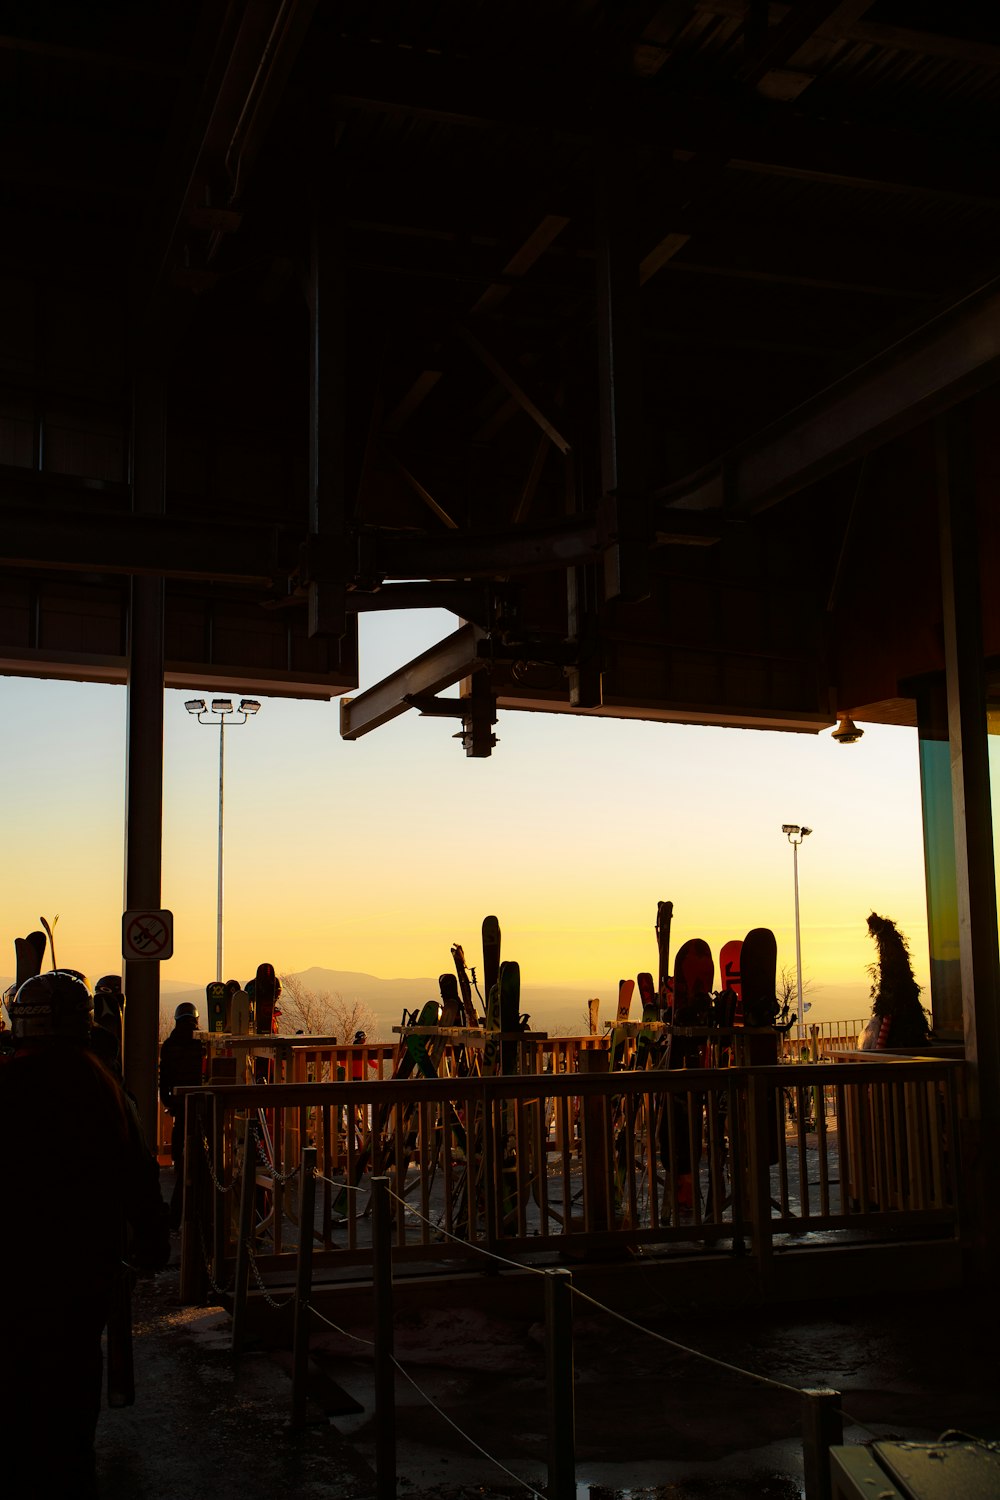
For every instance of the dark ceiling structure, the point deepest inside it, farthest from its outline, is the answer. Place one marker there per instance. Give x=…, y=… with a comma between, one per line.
x=615, y=329
x=659, y=342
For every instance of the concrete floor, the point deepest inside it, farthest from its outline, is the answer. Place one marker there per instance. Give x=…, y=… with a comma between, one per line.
x=649, y=1417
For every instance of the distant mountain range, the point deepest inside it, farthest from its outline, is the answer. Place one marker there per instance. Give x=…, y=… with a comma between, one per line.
x=553, y=1008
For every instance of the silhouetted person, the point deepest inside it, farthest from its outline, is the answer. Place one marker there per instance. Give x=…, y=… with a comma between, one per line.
x=182, y=1062
x=75, y=1175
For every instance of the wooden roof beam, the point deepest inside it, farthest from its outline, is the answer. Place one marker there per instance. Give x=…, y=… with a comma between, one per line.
x=522, y=260
x=872, y=33
x=515, y=386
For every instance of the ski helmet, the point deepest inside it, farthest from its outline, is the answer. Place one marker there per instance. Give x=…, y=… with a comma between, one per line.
x=57, y=1006
x=186, y=1011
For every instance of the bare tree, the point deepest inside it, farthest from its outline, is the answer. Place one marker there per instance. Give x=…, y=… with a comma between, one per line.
x=788, y=990
x=322, y=1012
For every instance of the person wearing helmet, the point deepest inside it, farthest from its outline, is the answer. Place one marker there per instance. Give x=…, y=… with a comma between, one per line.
x=75, y=1173
x=182, y=1065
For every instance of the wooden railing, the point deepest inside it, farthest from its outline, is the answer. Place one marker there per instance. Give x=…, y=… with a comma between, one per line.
x=710, y=1159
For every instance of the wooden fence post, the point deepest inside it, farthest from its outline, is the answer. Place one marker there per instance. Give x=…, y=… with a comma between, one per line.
x=194, y=1280
x=244, y=1237
x=822, y=1429
x=559, y=1381
x=303, y=1286
x=759, y=1102
x=385, y=1370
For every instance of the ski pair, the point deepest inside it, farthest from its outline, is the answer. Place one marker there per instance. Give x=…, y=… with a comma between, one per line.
x=246, y=1011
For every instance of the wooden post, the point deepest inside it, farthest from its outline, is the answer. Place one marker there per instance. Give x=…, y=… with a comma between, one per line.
x=594, y=1140
x=491, y=1169
x=194, y=1283
x=385, y=1371
x=303, y=1286
x=559, y=1381
x=759, y=1103
x=822, y=1429
x=244, y=1236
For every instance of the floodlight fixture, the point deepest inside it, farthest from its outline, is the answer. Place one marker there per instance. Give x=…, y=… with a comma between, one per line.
x=195, y=705
x=222, y=705
x=249, y=706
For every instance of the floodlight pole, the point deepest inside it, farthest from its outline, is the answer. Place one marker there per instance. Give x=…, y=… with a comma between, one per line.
x=796, y=834
x=222, y=778
x=222, y=709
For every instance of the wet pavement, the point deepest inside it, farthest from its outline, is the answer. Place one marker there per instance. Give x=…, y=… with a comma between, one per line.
x=471, y=1405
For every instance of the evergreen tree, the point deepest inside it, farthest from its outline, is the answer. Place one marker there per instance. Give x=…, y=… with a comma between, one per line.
x=895, y=992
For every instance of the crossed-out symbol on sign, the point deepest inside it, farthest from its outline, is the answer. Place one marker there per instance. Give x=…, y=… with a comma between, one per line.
x=148, y=935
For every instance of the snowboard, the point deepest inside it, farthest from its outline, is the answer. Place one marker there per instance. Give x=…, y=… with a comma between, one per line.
x=509, y=980
x=265, y=995
x=647, y=1040
x=758, y=971
x=420, y=1048
x=758, y=979
x=109, y=1010
x=29, y=955
x=509, y=988
x=729, y=1002
x=217, y=1004
x=451, y=1015
x=241, y=1014
x=451, y=1000
x=491, y=1048
x=491, y=955
x=626, y=988
x=664, y=916
x=694, y=976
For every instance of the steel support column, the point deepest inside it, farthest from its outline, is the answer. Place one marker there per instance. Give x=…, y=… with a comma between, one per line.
x=970, y=787
x=937, y=811
x=144, y=764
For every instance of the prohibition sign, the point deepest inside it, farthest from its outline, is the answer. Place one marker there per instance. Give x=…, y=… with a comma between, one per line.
x=147, y=934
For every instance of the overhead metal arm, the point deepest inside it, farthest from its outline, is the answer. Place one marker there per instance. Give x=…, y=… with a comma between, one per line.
x=444, y=664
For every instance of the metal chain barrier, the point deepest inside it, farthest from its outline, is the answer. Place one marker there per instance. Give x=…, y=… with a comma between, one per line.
x=271, y=1301
x=263, y=1165
x=220, y=1291
x=221, y=1187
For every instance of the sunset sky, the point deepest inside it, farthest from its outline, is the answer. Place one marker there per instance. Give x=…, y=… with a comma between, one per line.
x=378, y=855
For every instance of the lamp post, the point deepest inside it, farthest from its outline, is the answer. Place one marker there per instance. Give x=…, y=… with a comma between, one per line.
x=222, y=709
x=796, y=833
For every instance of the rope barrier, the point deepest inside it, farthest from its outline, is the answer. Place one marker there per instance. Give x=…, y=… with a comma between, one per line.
x=370, y=1343
x=684, y=1349
x=471, y=1441
x=347, y=1187
x=469, y=1244
x=437, y=1228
